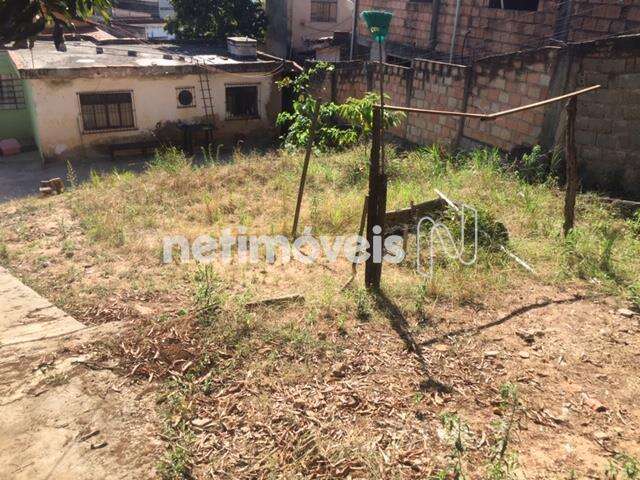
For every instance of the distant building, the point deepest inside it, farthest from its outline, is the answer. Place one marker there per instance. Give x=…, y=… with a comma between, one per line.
x=294, y=25
x=80, y=101
x=145, y=19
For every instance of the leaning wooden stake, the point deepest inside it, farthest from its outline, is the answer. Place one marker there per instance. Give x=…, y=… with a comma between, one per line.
x=572, y=167
x=305, y=167
x=354, y=265
x=363, y=219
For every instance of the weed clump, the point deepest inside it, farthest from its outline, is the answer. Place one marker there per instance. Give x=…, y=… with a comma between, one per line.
x=170, y=160
x=209, y=294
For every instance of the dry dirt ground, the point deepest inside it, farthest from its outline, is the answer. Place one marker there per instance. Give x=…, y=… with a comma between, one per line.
x=61, y=418
x=370, y=412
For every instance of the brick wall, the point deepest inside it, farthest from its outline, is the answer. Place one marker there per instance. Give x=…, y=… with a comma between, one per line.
x=608, y=120
x=492, y=30
x=410, y=24
x=596, y=18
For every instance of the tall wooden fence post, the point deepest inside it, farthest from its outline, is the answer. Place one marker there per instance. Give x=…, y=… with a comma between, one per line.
x=377, y=204
x=305, y=167
x=573, y=178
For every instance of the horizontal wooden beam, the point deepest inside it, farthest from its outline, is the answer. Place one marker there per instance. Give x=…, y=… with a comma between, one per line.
x=491, y=116
x=433, y=112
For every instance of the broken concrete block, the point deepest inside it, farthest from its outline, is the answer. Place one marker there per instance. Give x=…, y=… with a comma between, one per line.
x=55, y=185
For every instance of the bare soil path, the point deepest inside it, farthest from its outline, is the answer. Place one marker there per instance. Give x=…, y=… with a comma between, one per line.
x=64, y=416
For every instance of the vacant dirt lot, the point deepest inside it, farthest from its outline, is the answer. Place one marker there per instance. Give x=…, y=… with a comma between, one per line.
x=486, y=370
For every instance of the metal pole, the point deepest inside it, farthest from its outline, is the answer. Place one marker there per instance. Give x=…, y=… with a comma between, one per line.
x=354, y=30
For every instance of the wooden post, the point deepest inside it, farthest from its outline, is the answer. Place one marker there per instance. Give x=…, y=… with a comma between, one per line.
x=377, y=203
x=572, y=167
x=305, y=167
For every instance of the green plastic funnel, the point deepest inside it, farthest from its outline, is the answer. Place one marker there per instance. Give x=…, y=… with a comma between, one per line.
x=378, y=24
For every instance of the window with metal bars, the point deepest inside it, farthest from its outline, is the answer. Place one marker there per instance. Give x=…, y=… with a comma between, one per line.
x=11, y=93
x=242, y=102
x=525, y=5
x=107, y=111
x=324, y=11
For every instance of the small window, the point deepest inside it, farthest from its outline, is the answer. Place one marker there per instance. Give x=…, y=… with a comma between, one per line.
x=324, y=11
x=524, y=5
x=242, y=102
x=106, y=111
x=11, y=93
x=186, y=97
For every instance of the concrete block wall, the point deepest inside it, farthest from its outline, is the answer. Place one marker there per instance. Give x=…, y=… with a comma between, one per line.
x=505, y=82
x=323, y=87
x=438, y=86
x=397, y=81
x=608, y=120
x=495, y=84
x=351, y=81
x=607, y=123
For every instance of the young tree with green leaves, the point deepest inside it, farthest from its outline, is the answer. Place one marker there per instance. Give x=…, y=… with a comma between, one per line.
x=215, y=20
x=340, y=126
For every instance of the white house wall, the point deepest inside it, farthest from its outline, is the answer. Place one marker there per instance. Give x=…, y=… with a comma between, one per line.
x=302, y=28
x=58, y=123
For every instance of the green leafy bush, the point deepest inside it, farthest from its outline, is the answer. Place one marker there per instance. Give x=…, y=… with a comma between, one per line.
x=339, y=126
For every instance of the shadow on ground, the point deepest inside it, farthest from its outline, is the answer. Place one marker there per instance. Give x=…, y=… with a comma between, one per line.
x=401, y=326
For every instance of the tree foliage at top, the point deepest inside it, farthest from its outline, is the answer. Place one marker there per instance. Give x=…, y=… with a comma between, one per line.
x=24, y=19
x=216, y=20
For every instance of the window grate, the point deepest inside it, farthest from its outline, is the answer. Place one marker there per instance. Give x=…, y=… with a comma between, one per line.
x=523, y=5
x=106, y=111
x=325, y=11
x=242, y=102
x=11, y=93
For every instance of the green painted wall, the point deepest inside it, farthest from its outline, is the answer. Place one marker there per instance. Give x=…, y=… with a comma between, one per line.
x=14, y=123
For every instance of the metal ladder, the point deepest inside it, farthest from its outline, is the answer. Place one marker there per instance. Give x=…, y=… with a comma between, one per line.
x=205, y=89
